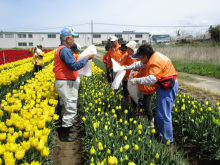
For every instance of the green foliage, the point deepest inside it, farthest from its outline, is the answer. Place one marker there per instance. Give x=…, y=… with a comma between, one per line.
x=198, y=68
x=215, y=33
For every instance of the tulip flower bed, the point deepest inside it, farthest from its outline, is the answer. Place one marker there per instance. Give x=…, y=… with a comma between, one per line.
x=113, y=134
x=27, y=121
x=199, y=122
x=14, y=55
x=12, y=74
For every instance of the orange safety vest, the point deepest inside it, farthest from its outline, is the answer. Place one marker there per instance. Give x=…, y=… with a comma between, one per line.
x=126, y=60
x=145, y=89
x=160, y=66
x=60, y=69
x=115, y=54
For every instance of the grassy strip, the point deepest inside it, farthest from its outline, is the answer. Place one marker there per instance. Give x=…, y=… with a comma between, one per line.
x=198, y=68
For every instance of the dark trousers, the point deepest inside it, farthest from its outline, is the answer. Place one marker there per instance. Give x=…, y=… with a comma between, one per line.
x=125, y=88
x=146, y=103
x=37, y=68
x=110, y=74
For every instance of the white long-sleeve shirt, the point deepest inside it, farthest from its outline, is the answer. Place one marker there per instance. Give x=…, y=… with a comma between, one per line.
x=149, y=80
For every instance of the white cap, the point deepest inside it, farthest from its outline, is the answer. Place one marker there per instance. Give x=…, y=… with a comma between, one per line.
x=78, y=46
x=132, y=44
x=39, y=44
x=113, y=38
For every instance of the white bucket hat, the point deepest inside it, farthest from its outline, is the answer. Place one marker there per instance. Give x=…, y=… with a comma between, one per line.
x=113, y=38
x=132, y=44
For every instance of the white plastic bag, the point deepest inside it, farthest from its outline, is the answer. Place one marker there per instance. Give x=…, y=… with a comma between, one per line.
x=133, y=90
x=86, y=70
x=119, y=76
x=77, y=82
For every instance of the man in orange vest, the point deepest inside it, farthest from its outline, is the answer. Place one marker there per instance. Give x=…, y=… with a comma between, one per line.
x=114, y=53
x=126, y=59
x=65, y=69
x=159, y=71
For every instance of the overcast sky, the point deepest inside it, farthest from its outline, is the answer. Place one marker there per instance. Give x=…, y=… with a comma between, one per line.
x=53, y=15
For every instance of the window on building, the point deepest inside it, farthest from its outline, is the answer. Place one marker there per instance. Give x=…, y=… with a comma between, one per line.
x=30, y=36
x=31, y=44
x=22, y=44
x=118, y=35
x=21, y=35
x=138, y=35
x=51, y=35
x=76, y=36
x=9, y=35
x=96, y=35
x=1, y=35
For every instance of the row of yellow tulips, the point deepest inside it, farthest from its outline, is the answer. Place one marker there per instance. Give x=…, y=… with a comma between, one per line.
x=27, y=120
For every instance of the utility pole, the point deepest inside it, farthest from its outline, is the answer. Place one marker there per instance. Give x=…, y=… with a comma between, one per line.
x=92, y=31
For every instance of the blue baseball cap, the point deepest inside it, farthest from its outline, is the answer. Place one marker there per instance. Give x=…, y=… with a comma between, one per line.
x=67, y=32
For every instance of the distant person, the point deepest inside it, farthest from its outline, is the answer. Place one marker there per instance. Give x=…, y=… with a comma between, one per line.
x=65, y=69
x=123, y=49
x=160, y=71
x=113, y=53
x=126, y=59
x=38, y=54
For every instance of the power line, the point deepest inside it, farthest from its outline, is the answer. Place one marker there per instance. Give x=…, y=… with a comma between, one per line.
x=62, y=26
x=151, y=25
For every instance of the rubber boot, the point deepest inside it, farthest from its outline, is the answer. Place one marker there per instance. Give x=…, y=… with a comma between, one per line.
x=72, y=130
x=64, y=135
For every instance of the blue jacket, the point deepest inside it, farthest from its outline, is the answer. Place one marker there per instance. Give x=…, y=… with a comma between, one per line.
x=67, y=57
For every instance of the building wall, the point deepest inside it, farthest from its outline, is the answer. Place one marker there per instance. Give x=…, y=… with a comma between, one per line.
x=84, y=39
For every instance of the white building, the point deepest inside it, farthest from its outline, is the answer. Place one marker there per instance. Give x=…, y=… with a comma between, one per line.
x=27, y=39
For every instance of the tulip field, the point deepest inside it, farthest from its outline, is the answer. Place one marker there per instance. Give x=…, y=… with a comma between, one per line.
x=113, y=133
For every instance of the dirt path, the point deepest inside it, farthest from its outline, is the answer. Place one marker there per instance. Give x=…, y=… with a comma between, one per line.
x=68, y=153
x=203, y=87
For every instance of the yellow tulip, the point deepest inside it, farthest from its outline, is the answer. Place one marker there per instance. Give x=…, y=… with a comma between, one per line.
x=126, y=147
x=112, y=160
x=157, y=156
x=100, y=146
x=19, y=154
x=153, y=131
x=136, y=147
x=108, y=152
x=2, y=149
x=92, y=151
x=140, y=127
x=45, y=151
x=2, y=136
x=139, y=132
x=121, y=149
x=56, y=117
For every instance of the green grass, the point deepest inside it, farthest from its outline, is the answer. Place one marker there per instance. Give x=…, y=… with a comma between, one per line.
x=198, y=68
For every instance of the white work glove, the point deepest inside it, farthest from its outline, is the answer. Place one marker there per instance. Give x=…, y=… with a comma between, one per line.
x=133, y=81
x=126, y=67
